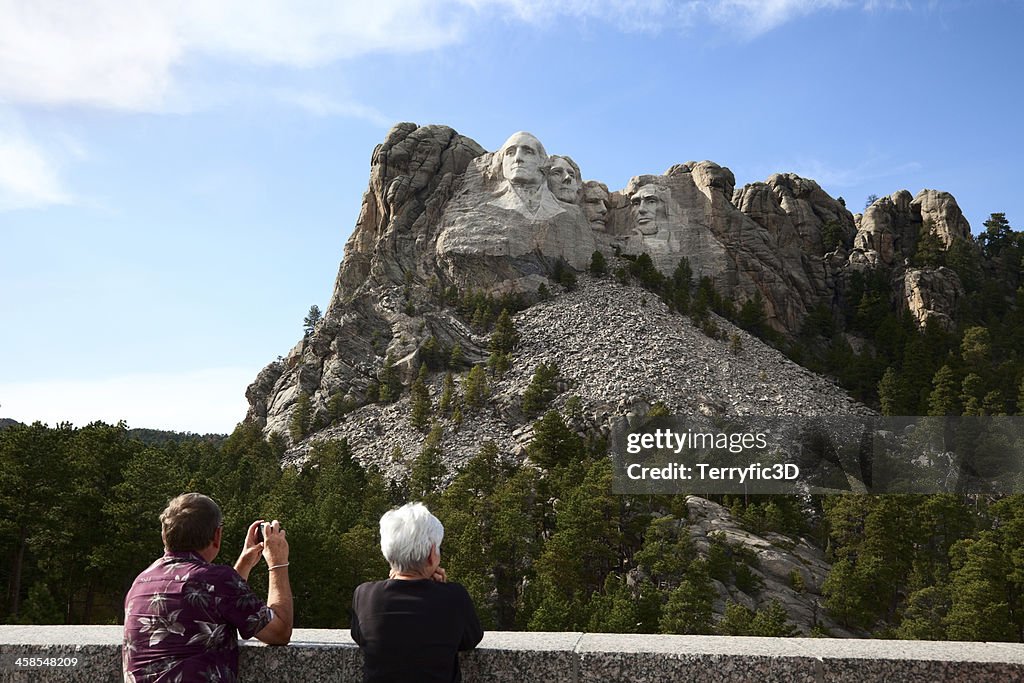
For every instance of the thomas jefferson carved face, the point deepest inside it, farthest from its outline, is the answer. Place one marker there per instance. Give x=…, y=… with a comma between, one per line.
x=522, y=156
x=648, y=209
x=563, y=179
x=595, y=206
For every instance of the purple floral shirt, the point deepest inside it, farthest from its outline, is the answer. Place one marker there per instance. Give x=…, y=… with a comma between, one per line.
x=182, y=618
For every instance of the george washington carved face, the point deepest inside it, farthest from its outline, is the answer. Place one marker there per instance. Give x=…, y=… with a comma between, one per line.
x=522, y=158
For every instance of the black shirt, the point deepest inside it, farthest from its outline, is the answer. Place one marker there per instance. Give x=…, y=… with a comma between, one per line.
x=413, y=630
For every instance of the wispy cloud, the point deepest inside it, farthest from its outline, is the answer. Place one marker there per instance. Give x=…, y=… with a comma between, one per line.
x=29, y=176
x=744, y=18
x=849, y=176
x=199, y=401
x=756, y=17
x=122, y=55
x=103, y=53
x=319, y=104
x=126, y=55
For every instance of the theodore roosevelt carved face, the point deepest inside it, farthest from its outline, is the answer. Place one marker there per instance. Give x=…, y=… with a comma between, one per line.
x=563, y=178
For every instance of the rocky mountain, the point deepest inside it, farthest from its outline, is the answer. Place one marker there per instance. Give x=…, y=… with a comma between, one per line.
x=443, y=219
x=449, y=235
x=619, y=351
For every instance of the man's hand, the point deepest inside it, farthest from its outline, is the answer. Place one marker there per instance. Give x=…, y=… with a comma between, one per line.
x=251, y=551
x=440, y=575
x=275, y=546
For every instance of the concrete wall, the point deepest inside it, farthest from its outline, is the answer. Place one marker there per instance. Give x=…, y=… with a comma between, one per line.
x=321, y=655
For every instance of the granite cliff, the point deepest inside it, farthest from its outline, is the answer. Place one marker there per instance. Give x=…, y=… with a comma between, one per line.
x=446, y=226
x=442, y=217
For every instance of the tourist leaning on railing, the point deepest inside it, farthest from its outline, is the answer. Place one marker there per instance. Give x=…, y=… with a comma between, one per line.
x=412, y=626
x=183, y=614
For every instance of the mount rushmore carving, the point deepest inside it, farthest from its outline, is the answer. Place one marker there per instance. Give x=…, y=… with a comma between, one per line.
x=441, y=213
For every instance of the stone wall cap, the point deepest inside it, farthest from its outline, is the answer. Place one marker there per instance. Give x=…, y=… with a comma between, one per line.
x=597, y=643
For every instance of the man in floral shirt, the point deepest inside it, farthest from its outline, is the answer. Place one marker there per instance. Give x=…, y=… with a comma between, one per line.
x=183, y=615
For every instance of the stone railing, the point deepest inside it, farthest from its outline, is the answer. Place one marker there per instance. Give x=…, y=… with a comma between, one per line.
x=325, y=655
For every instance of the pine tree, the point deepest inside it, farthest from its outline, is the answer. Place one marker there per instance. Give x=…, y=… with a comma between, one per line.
x=432, y=355
x=498, y=364
x=925, y=614
x=338, y=406
x=390, y=384
x=504, y=337
x=772, y=621
x=564, y=275
x=970, y=394
x=301, y=419
x=889, y=392
x=542, y=388
x=475, y=389
x=752, y=317
x=581, y=551
x=943, y=398
x=997, y=237
x=447, y=400
x=421, y=408
x=311, y=320
x=980, y=606
x=614, y=609
x=931, y=252
x=553, y=443
x=688, y=609
x=598, y=264
x=975, y=348
x=428, y=469
x=455, y=358
x=735, y=621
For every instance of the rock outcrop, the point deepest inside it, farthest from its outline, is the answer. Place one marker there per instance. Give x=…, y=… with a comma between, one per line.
x=619, y=350
x=790, y=570
x=932, y=293
x=443, y=217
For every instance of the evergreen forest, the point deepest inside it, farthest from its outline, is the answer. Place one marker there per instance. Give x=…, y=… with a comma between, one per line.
x=544, y=544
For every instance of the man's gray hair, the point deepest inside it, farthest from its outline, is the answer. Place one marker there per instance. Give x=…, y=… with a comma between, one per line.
x=407, y=535
x=189, y=522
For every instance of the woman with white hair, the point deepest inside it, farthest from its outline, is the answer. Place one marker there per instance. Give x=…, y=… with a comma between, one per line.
x=411, y=626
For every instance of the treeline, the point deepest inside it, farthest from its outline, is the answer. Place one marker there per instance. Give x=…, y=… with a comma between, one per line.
x=542, y=545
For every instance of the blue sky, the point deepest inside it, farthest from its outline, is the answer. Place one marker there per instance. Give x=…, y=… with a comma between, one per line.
x=177, y=185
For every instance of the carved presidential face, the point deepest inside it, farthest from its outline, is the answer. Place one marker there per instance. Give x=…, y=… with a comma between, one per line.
x=563, y=179
x=595, y=206
x=522, y=156
x=648, y=209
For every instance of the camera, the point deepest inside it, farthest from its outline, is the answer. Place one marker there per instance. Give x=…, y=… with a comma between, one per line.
x=259, y=532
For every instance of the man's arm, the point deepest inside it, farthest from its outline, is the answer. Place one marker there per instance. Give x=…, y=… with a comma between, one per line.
x=279, y=594
x=279, y=598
